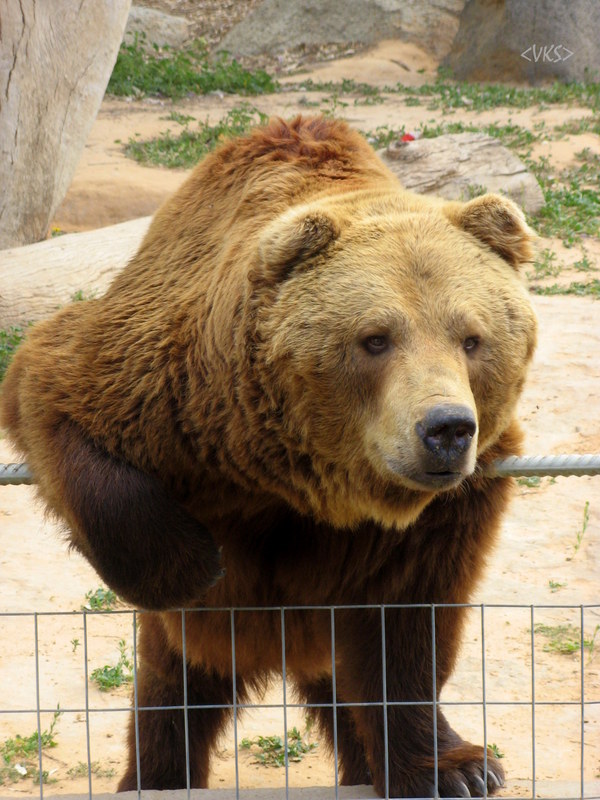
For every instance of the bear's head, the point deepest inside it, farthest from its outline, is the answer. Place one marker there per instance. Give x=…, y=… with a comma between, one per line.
x=392, y=337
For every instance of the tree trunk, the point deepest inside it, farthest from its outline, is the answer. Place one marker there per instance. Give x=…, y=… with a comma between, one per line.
x=56, y=57
x=39, y=278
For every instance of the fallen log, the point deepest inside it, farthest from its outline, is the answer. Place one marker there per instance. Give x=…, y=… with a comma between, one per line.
x=37, y=279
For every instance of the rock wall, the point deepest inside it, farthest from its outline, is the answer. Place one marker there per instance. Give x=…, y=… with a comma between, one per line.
x=527, y=41
x=278, y=25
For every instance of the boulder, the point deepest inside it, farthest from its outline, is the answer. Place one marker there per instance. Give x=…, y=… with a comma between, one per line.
x=156, y=28
x=459, y=166
x=59, y=62
x=524, y=41
x=279, y=25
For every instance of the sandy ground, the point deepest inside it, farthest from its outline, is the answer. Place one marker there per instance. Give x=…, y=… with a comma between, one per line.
x=547, y=557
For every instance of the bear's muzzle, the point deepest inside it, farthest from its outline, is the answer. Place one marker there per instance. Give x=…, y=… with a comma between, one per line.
x=446, y=432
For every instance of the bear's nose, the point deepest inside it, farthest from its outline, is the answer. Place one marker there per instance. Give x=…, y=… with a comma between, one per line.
x=447, y=430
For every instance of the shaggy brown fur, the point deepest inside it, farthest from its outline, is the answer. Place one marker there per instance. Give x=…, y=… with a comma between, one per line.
x=297, y=379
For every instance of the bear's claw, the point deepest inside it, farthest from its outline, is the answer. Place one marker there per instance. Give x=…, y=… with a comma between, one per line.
x=463, y=781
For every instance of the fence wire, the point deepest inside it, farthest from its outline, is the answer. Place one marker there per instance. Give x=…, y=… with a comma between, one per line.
x=483, y=699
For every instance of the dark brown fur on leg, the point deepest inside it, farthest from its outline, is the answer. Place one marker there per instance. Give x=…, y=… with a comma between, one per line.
x=353, y=767
x=162, y=747
x=456, y=535
x=111, y=505
x=409, y=694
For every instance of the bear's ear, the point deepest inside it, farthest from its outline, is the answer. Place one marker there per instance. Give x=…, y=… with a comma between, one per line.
x=294, y=237
x=498, y=222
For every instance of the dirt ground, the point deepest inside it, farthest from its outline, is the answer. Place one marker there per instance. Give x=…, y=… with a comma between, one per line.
x=542, y=706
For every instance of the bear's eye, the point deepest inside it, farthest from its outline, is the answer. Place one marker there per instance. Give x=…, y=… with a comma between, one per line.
x=376, y=344
x=470, y=344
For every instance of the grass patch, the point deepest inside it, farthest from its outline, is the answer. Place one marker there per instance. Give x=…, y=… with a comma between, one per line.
x=383, y=136
x=511, y=135
x=514, y=136
x=270, y=750
x=584, y=526
x=532, y=481
x=545, y=266
x=80, y=296
x=572, y=200
x=185, y=149
x=555, y=586
x=575, y=127
x=10, y=339
x=589, y=289
x=568, y=213
x=565, y=639
x=584, y=265
x=496, y=750
x=81, y=770
x=100, y=600
x=366, y=93
x=19, y=755
x=111, y=677
x=446, y=95
x=177, y=73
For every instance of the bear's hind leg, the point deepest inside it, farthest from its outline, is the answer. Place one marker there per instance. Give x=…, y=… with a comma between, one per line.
x=161, y=741
x=352, y=761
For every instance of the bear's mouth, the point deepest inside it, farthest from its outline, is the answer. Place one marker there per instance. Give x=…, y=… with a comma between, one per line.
x=444, y=479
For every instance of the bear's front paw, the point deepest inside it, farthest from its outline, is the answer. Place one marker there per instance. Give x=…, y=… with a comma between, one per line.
x=470, y=779
x=463, y=772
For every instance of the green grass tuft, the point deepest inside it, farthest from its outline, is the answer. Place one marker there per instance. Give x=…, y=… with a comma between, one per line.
x=175, y=74
x=565, y=639
x=111, y=677
x=496, y=751
x=383, y=136
x=572, y=199
x=589, y=289
x=19, y=755
x=270, y=750
x=81, y=770
x=514, y=136
x=10, y=339
x=532, y=481
x=447, y=94
x=101, y=600
x=554, y=586
x=192, y=144
x=545, y=265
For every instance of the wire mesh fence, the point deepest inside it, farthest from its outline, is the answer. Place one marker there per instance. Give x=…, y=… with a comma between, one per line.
x=527, y=685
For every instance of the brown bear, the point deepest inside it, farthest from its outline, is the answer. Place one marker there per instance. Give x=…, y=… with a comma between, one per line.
x=288, y=398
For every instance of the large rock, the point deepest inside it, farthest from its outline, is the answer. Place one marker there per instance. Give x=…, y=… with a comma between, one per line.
x=156, y=28
x=59, y=61
x=458, y=166
x=525, y=41
x=278, y=25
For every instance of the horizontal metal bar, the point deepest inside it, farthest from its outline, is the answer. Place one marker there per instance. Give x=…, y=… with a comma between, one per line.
x=377, y=606
x=516, y=466
x=15, y=474
x=329, y=608
x=306, y=706
x=529, y=466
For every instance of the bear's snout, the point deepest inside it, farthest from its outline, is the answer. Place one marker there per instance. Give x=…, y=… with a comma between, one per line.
x=446, y=433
